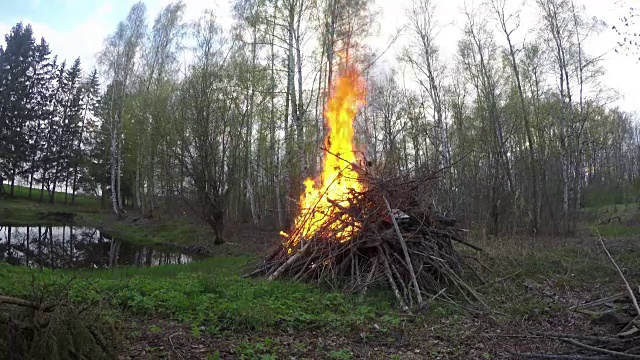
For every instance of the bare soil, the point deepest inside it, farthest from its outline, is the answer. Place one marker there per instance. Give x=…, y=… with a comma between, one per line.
x=468, y=336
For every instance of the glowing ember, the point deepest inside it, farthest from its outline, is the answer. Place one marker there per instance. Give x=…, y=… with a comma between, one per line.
x=338, y=177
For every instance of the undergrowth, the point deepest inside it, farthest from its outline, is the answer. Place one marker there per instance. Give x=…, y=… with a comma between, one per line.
x=210, y=293
x=19, y=210
x=46, y=324
x=534, y=278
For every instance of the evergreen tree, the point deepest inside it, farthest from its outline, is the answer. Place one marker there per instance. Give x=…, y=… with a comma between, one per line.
x=65, y=125
x=99, y=148
x=15, y=78
x=90, y=96
x=3, y=124
x=40, y=107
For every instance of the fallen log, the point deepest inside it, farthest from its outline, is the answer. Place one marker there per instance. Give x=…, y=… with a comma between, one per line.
x=25, y=303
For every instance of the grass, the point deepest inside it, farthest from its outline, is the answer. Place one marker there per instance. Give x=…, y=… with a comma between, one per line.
x=210, y=293
x=84, y=201
x=548, y=274
x=614, y=220
x=157, y=231
x=19, y=210
x=544, y=276
x=213, y=293
x=615, y=230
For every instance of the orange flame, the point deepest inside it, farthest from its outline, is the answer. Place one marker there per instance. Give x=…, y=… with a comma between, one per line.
x=339, y=177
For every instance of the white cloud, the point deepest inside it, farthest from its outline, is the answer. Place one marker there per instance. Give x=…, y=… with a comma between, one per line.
x=83, y=40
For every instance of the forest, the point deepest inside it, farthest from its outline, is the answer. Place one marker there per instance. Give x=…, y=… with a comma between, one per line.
x=525, y=132
x=516, y=132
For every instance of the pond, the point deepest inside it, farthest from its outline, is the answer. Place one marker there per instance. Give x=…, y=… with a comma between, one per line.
x=77, y=247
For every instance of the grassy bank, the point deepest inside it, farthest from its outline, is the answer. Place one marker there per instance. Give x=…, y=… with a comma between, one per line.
x=617, y=220
x=210, y=293
x=20, y=210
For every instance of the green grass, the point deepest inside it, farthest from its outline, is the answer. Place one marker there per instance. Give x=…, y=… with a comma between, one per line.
x=615, y=230
x=20, y=210
x=546, y=273
x=600, y=196
x=616, y=220
x=160, y=231
x=214, y=294
x=211, y=293
x=84, y=201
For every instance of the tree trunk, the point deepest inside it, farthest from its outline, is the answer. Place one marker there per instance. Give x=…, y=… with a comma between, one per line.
x=66, y=188
x=300, y=110
x=138, y=187
x=252, y=203
x=52, y=195
x=103, y=195
x=13, y=181
x=114, y=169
x=525, y=115
x=119, y=177
x=42, y=188
x=30, y=184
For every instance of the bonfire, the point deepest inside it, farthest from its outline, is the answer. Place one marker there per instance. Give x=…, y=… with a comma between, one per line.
x=359, y=231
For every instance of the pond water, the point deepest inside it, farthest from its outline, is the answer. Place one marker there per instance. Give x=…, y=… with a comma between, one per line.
x=77, y=247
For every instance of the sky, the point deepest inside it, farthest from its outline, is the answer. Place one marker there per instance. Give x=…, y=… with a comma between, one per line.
x=77, y=28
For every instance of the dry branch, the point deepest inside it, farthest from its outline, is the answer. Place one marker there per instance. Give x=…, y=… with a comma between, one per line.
x=401, y=245
x=288, y=263
x=626, y=283
x=626, y=345
x=407, y=258
x=25, y=303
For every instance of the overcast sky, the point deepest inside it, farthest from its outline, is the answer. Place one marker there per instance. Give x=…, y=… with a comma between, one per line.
x=77, y=28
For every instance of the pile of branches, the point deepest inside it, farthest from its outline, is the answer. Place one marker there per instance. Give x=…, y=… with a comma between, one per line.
x=620, y=311
x=53, y=330
x=398, y=242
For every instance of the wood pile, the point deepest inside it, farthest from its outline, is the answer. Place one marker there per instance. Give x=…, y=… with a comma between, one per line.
x=54, y=330
x=397, y=242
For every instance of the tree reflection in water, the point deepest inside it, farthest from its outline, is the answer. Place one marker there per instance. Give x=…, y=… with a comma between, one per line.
x=77, y=247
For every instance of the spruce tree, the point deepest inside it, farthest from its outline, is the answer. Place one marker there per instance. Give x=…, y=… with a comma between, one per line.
x=90, y=96
x=15, y=109
x=40, y=107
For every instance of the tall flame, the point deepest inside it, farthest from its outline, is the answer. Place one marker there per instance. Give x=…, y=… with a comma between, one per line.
x=339, y=177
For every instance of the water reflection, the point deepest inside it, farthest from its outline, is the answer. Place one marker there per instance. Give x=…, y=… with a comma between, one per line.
x=76, y=247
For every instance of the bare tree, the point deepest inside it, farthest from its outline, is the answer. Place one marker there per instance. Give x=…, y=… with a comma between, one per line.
x=509, y=23
x=118, y=60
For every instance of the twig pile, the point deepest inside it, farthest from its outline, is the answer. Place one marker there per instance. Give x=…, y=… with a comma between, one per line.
x=621, y=310
x=397, y=241
x=37, y=330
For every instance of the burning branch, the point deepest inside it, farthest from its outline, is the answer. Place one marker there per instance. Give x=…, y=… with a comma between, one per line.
x=399, y=244
x=349, y=234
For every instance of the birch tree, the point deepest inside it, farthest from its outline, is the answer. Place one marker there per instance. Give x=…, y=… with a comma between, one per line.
x=118, y=59
x=508, y=24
